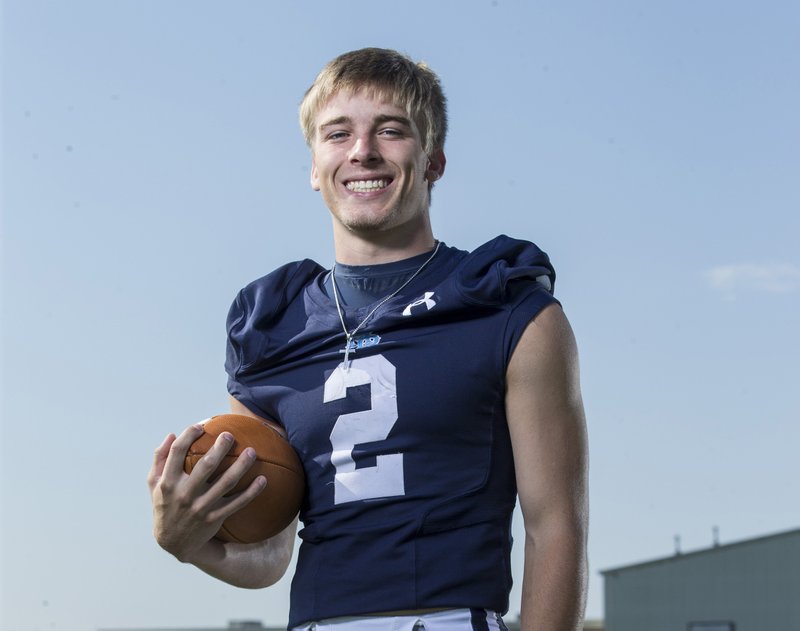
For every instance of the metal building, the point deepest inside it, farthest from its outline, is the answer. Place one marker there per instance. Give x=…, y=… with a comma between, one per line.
x=751, y=585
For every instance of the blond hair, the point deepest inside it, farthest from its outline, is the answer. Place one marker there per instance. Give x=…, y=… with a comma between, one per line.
x=387, y=75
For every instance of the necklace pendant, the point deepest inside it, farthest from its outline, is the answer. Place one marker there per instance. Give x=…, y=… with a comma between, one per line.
x=349, y=344
x=346, y=352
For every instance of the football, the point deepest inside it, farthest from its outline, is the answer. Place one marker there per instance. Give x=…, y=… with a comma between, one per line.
x=276, y=506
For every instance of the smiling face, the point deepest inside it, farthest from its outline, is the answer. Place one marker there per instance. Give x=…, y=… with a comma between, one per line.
x=369, y=164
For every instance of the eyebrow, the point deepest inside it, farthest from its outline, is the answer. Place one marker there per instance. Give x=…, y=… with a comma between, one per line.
x=379, y=120
x=339, y=120
x=392, y=118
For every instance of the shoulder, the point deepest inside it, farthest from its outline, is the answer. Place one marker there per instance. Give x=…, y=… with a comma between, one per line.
x=265, y=299
x=493, y=273
x=266, y=312
x=273, y=291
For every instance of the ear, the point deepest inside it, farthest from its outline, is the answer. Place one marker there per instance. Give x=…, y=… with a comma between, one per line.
x=314, y=175
x=436, y=162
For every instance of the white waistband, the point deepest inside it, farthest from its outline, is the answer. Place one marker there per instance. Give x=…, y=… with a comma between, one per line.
x=447, y=620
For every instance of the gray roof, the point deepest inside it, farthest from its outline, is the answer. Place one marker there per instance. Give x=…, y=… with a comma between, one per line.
x=705, y=551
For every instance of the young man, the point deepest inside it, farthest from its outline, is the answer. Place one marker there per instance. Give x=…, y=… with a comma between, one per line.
x=423, y=387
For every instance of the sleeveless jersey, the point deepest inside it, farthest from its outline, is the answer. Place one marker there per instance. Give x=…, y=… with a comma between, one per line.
x=410, y=474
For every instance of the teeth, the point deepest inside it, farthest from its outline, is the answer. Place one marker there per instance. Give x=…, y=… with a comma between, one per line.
x=362, y=186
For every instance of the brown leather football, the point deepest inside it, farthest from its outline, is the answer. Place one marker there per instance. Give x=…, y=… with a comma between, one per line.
x=276, y=506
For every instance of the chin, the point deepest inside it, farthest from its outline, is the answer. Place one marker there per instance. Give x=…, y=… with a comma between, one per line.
x=369, y=222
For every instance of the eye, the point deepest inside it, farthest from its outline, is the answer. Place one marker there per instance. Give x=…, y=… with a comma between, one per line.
x=336, y=135
x=391, y=132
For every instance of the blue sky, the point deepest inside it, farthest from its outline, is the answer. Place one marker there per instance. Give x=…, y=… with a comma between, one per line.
x=152, y=165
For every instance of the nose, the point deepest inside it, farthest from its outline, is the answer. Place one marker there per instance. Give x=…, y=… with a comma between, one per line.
x=364, y=151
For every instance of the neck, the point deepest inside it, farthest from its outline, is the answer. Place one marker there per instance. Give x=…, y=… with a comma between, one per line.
x=353, y=248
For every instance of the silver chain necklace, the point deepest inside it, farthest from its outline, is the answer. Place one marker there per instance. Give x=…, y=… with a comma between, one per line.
x=349, y=336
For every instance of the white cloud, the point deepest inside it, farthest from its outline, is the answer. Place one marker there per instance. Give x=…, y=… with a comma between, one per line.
x=776, y=278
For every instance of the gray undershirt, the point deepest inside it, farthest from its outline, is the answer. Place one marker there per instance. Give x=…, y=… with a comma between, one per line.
x=362, y=285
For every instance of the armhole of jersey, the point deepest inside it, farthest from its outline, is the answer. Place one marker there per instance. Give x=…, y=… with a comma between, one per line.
x=247, y=401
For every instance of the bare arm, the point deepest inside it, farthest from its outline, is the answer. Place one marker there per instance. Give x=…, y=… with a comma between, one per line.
x=188, y=511
x=548, y=433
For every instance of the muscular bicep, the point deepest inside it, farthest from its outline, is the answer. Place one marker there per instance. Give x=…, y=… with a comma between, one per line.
x=547, y=424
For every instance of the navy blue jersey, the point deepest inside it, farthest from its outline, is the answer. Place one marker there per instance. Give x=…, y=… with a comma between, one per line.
x=406, y=449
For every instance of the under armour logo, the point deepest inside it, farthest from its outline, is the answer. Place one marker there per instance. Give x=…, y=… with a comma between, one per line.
x=426, y=300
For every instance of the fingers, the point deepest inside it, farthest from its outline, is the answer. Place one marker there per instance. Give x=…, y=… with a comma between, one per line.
x=236, y=502
x=160, y=457
x=173, y=467
x=214, y=499
x=188, y=509
x=170, y=457
x=231, y=477
x=189, y=504
x=205, y=468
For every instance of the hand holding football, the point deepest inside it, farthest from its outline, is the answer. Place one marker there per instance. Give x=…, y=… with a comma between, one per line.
x=277, y=505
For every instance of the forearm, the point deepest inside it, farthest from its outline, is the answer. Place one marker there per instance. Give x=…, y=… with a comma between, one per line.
x=250, y=566
x=554, y=580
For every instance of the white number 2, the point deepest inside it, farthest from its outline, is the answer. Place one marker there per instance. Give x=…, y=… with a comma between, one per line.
x=385, y=479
